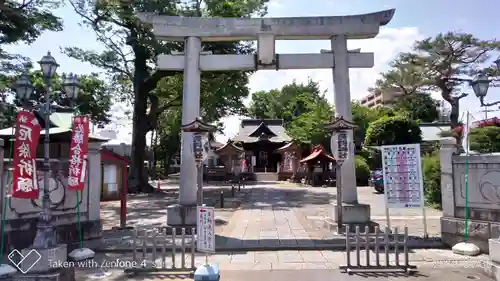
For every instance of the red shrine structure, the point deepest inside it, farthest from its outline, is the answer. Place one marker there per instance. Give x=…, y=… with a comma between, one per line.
x=269, y=154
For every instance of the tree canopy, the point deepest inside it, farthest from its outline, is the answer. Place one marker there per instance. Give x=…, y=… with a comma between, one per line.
x=130, y=54
x=393, y=130
x=302, y=106
x=420, y=107
x=446, y=62
x=363, y=116
x=24, y=22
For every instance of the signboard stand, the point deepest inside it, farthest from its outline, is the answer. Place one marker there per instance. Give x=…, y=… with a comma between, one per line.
x=403, y=179
x=205, y=242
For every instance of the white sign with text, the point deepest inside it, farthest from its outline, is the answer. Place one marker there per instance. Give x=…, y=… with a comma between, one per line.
x=205, y=229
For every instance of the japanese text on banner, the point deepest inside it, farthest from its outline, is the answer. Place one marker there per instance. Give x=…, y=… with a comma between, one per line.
x=27, y=135
x=78, y=153
x=205, y=230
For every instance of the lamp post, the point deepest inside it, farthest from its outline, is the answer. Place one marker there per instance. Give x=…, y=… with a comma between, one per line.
x=480, y=85
x=200, y=148
x=342, y=149
x=45, y=237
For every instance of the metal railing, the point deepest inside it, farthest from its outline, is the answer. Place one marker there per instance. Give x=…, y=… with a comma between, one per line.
x=155, y=249
x=365, y=243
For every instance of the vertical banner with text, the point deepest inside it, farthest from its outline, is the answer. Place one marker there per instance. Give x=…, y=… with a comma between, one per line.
x=27, y=135
x=78, y=153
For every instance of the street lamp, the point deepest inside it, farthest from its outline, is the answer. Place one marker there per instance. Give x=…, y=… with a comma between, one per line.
x=344, y=146
x=45, y=235
x=481, y=84
x=48, y=65
x=201, y=147
x=23, y=89
x=71, y=86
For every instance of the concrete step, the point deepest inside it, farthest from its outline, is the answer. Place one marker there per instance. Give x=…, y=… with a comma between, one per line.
x=266, y=177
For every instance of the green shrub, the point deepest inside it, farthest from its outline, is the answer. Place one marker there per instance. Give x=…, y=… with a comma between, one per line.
x=432, y=180
x=362, y=171
x=485, y=139
x=393, y=130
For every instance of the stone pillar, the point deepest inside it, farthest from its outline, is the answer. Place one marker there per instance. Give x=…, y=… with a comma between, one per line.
x=448, y=149
x=353, y=213
x=3, y=180
x=185, y=212
x=342, y=100
x=190, y=110
x=95, y=184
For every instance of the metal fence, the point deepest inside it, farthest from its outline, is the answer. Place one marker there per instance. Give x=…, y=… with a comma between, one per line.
x=156, y=249
x=383, y=245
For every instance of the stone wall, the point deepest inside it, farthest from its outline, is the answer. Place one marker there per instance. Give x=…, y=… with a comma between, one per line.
x=21, y=214
x=483, y=196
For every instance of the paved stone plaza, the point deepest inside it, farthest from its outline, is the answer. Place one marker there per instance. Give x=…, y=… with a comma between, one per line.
x=271, y=216
x=270, y=220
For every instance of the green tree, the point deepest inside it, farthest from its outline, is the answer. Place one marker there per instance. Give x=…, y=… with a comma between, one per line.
x=131, y=50
x=94, y=97
x=403, y=77
x=363, y=116
x=24, y=22
x=169, y=137
x=432, y=179
x=307, y=127
x=286, y=103
x=418, y=107
x=393, y=130
x=302, y=106
x=485, y=139
x=446, y=57
x=265, y=105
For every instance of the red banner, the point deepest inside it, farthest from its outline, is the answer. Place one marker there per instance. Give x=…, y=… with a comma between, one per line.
x=27, y=135
x=78, y=153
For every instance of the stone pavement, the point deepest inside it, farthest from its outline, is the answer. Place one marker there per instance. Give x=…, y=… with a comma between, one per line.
x=290, y=265
x=267, y=217
x=281, y=217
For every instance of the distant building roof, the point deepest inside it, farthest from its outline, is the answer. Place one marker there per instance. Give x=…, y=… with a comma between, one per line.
x=254, y=130
x=60, y=123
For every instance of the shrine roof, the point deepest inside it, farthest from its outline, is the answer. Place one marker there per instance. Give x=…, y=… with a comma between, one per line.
x=318, y=152
x=229, y=146
x=60, y=123
x=293, y=145
x=251, y=131
x=215, y=144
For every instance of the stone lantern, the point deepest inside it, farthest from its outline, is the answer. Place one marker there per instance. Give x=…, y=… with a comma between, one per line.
x=201, y=148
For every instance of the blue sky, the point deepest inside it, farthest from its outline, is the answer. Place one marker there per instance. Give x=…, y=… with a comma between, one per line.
x=413, y=20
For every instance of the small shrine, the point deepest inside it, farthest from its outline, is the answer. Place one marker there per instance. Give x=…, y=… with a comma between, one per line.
x=291, y=154
x=318, y=166
x=260, y=139
x=230, y=155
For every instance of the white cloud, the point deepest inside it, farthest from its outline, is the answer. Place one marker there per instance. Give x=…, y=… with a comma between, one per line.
x=385, y=46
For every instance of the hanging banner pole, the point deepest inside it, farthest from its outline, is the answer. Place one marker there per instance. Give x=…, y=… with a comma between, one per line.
x=77, y=175
x=22, y=171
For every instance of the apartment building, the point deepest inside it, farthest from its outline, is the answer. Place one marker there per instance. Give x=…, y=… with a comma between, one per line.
x=381, y=98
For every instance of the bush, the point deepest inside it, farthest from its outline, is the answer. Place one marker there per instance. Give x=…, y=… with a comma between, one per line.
x=362, y=171
x=393, y=130
x=485, y=139
x=432, y=180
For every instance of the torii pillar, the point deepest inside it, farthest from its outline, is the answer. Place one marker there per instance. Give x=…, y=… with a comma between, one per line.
x=265, y=31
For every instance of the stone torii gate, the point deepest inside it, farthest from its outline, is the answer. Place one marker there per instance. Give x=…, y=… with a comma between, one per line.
x=191, y=30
